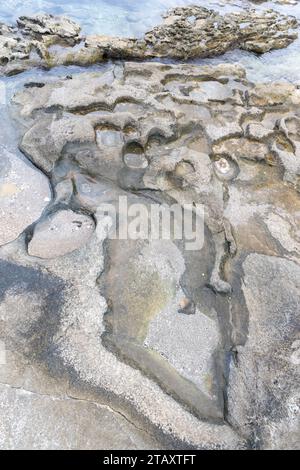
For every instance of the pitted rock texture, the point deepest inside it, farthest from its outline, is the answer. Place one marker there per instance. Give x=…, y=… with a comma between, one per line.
x=187, y=32
x=12, y=48
x=165, y=333
x=134, y=117
x=49, y=25
x=191, y=32
x=267, y=361
x=199, y=32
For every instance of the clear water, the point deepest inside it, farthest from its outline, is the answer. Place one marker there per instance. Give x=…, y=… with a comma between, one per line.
x=112, y=17
x=135, y=17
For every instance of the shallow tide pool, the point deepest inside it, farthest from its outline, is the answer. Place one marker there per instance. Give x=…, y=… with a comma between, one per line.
x=135, y=17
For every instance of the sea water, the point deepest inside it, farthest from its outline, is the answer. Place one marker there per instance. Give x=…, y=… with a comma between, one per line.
x=132, y=18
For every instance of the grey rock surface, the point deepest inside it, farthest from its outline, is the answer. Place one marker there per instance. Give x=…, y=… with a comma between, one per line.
x=169, y=322
x=44, y=24
x=71, y=424
x=61, y=233
x=139, y=342
x=191, y=32
x=267, y=362
x=24, y=194
x=186, y=32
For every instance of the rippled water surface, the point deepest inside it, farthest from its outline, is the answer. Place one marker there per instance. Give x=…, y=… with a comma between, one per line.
x=134, y=17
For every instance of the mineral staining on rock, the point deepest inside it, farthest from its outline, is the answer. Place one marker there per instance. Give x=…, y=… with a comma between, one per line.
x=160, y=346
x=187, y=32
x=29, y=41
x=32, y=383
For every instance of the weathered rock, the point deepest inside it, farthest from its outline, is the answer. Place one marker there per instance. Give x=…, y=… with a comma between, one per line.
x=90, y=193
x=33, y=397
x=258, y=131
x=126, y=137
x=280, y=2
x=70, y=424
x=160, y=133
x=13, y=48
x=198, y=32
x=24, y=194
x=61, y=233
x=265, y=363
x=63, y=297
x=278, y=94
x=242, y=148
x=27, y=46
x=45, y=141
x=64, y=191
x=49, y=25
x=145, y=284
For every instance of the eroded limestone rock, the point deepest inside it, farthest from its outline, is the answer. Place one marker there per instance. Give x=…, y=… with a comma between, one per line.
x=133, y=311
x=45, y=25
x=26, y=45
x=70, y=424
x=186, y=32
x=31, y=394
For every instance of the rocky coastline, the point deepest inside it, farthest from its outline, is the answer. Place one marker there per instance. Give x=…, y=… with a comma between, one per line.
x=140, y=343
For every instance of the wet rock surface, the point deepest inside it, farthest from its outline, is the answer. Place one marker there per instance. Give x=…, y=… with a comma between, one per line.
x=161, y=324
x=271, y=289
x=24, y=194
x=49, y=26
x=185, y=33
x=122, y=342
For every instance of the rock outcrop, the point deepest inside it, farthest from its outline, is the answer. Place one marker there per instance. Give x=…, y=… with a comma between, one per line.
x=24, y=195
x=187, y=32
x=60, y=234
x=27, y=44
x=280, y=2
x=113, y=120
x=49, y=28
x=198, y=32
x=177, y=339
